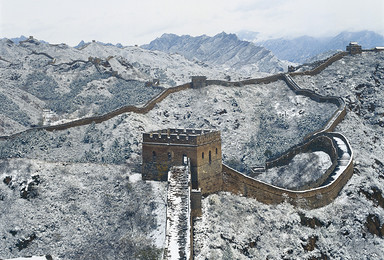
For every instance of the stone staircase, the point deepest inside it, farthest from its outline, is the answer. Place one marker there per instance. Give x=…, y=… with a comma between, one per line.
x=178, y=234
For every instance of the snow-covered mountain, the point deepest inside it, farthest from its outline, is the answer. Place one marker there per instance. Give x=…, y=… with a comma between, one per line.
x=351, y=227
x=302, y=48
x=82, y=44
x=78, y=193
x=222, y=49
x=43, y=83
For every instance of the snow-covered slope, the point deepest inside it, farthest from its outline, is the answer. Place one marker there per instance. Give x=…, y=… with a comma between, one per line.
x=252, y=119
x=77, y=194
x=223, y=49
x=256, y=121
x=44, y=84
x=351, y=227
x=79, y=211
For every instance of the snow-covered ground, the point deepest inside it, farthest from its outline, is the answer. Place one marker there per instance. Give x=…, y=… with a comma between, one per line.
x=79, y=211
x=31, y=258
x=305, y=168
x=39, y=79
x=60, y=199
x=252, y=119
x=234, y=227
x=256, y=122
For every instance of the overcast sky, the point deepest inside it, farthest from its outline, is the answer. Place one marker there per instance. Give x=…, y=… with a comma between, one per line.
x=140, y=21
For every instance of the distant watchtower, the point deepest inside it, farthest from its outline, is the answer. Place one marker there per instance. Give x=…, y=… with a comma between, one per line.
x=291, y=68
x=171, y=147
x=199, y=81
x=354, y=48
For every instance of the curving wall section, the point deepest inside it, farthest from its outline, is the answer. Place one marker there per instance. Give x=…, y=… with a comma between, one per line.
x=322, y=66
x=238, y=183
x=150, y=104
x=338, y=101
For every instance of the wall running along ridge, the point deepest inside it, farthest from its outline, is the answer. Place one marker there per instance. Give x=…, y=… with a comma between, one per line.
x=234, y=181
x=151, y=104
x=99, y=119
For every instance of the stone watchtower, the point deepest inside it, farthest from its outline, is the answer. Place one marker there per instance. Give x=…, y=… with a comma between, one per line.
x=171, y=147
x=354, y=48
x=199, y=81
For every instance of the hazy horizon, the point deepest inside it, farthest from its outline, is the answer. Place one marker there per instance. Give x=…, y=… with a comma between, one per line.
x=131, y=22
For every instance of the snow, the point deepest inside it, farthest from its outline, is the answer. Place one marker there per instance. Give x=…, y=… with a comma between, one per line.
x=135, y=177
x=79, y=210
x=61, y=78
x=234, y=227
x=252, y=119
x=178, y=214
x=304, y=169
x=224, y=50
x=158, y=235
x=102, y=210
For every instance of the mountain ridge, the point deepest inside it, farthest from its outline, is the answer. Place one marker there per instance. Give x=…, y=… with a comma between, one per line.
x=302, y=48
x=223, y=49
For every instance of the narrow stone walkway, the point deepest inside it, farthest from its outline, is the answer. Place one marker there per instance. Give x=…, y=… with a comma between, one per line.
x=343, y=157
x=178, y=232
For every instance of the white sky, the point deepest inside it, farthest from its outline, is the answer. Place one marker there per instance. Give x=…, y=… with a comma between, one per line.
x=140, y=21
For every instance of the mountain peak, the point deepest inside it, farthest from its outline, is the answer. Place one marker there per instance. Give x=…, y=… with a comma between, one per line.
x=223, y=49
x=229, y=36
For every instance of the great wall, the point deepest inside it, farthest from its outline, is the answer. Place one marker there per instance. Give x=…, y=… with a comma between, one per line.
x=316, y=195
x=202, y=82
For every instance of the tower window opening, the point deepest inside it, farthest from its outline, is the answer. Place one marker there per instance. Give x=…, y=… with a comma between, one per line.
x=210, y=157
x=169, y=156
x=154, y=156
x=202, y=155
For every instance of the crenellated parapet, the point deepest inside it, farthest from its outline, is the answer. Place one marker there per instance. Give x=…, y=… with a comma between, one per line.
x=173, y=136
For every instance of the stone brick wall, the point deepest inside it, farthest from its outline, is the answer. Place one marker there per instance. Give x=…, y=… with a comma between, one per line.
x=199, y=81
x=209, y=169
x=238, y=183
x=335, y=119
x=158, y=159
x=213, y=180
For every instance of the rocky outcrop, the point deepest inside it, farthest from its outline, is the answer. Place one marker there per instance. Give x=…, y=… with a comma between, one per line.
x=374, y=226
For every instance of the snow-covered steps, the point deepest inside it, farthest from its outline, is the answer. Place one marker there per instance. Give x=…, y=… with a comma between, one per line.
x=343, y=159
x=178, y=234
